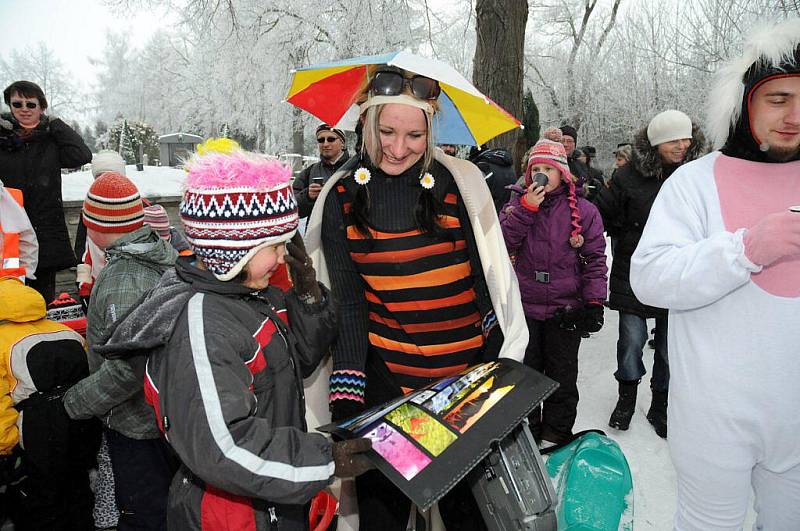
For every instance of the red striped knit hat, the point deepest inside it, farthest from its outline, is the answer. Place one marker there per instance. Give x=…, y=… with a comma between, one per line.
x=234, y=205
x=113, y=205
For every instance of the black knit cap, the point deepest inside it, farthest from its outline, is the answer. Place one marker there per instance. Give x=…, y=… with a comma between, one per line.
x=741, y=143
x=326, y=127
x=569, y=131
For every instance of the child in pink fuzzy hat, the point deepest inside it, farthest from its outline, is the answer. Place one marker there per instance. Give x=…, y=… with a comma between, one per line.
x=228, y=352
x=557, y=240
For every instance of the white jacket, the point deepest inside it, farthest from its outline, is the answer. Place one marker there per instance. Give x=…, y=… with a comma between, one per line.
x=733, y=328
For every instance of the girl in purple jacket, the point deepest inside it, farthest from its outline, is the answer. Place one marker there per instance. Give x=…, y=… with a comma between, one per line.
x=556, y=239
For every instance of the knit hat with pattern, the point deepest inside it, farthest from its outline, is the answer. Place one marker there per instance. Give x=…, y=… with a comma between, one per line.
x=156, y=216
x=113, y=205
x=552, y=153
x=548, y=152
x=234, y=205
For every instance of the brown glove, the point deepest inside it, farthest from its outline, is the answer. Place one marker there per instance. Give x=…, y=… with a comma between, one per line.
x=349, y=459
x=301, y=270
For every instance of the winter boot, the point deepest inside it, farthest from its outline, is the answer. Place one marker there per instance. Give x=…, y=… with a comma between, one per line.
x=658, y=413
x=621, y=417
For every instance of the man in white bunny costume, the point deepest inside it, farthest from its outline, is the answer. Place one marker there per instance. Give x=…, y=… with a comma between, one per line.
x=721, y=251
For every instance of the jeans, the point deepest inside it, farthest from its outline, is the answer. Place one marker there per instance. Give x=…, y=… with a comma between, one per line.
x=633, y=334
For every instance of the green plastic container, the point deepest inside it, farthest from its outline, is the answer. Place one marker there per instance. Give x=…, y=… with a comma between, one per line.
x=594, y=485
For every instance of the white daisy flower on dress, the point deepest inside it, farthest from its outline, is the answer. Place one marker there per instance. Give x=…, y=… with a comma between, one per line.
x=427, y=181
x=362, y=176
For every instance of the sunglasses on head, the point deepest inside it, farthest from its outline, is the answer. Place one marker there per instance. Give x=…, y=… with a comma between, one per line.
x=28, y=104
x=328, y=139
x=391, y=83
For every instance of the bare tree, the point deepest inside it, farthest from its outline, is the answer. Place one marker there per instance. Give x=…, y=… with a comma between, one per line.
x=499, y=60
x=578, y=34
x=40, y=64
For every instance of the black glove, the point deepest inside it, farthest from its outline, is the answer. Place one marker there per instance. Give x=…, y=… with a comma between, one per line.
x=569, y=318
x=592, y=318
x=11, y=468
x=349, y=459
x=343, y=409
x=301, y=271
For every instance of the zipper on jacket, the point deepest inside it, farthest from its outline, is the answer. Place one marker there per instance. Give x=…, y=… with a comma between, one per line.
x=273, y=518
x=297, y=376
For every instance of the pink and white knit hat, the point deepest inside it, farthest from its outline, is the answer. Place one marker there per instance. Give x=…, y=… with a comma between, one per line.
x=548, y=152
x=156, y=216
x=553, y=153
x=234, y=205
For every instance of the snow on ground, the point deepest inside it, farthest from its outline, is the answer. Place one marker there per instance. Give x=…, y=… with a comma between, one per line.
x=647, y=454
x=153, y=181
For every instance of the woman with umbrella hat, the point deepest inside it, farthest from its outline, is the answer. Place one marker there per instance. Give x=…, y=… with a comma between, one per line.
x=410, y=242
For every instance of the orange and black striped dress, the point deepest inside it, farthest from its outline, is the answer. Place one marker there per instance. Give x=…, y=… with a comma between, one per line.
x=418, y=296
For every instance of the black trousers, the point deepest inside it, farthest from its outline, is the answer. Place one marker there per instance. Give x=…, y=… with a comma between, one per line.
x=383, y=507
x=45, y=284
x=143, y=471
x=58, y=454
x=553, y=351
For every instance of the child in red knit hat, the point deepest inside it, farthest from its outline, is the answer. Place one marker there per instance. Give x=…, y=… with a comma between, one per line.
x=143, y=465
x=556, y=238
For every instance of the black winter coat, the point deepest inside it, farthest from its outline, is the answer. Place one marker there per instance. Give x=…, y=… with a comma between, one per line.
x=225, y=375
x=497, y=166
x=625, y=206
x=33, y=164
x=301, y=183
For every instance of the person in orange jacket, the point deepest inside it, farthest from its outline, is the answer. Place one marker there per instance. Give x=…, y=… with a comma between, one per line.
x=19, y=248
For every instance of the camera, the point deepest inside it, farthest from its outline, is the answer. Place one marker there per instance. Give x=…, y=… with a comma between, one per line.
x=318, y=180
x=540, y=179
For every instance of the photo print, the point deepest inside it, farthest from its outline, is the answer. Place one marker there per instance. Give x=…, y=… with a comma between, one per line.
x=427, y=431
x=397, y=450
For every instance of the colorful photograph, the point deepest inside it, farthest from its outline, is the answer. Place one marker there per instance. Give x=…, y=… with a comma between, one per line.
x=427, y=431
x=481, y=400
x=398, y=451
x=453, y=393
x=367, y=418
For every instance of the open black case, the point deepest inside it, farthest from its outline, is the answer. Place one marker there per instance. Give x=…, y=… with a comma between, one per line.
x=430, y=439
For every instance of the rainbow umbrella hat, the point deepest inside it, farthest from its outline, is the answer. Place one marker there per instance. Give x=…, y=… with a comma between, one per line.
x=329, y=90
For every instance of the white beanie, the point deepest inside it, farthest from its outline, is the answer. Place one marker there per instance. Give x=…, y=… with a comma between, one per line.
x=107, y=160
x=668, y=126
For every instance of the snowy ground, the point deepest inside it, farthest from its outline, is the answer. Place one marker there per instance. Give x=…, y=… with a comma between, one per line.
x=647, y=454
x=152, y=181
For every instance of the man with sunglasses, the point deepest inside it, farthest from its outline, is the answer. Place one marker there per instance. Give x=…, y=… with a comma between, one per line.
x=33, y=149
x=332, y=154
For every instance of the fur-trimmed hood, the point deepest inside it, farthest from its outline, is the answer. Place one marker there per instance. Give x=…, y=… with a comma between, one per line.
x=647, y=161
x=775, y=47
